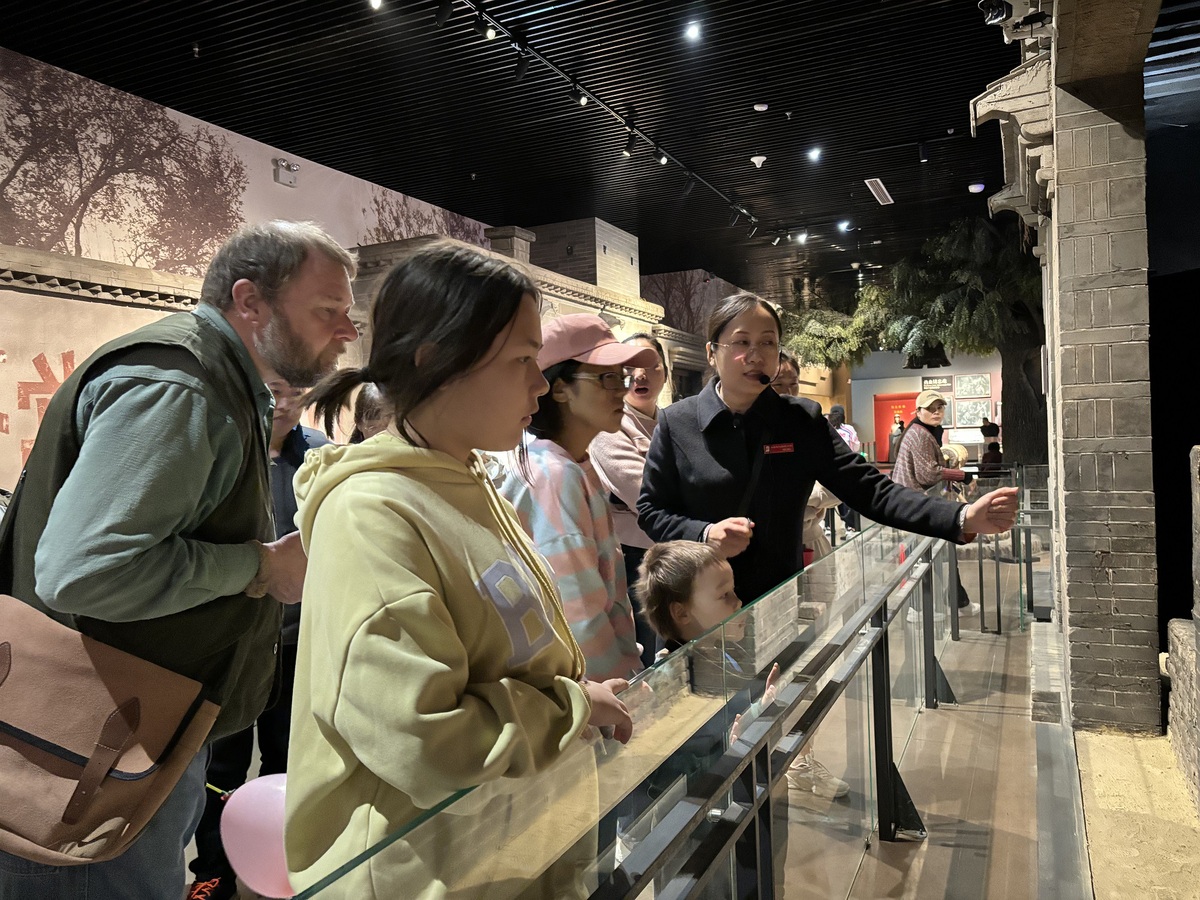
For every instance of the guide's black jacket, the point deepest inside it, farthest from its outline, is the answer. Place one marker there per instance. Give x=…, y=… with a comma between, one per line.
x=699, y=468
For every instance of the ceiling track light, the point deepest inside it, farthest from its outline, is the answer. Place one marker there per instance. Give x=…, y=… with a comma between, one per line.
x=775, y=241
x=490, y=28
x=922, y=152
x=753, y=230
x=802, y=236
x=523, y=60
x=484, y=27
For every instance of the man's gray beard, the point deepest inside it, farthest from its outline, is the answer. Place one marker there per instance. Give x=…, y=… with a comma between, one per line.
x=282, y=350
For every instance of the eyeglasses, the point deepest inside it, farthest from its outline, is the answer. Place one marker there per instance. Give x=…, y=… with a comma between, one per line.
x=741, y=349
x=610, y=381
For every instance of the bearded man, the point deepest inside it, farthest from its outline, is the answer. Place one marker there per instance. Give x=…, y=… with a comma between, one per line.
x=143, y=518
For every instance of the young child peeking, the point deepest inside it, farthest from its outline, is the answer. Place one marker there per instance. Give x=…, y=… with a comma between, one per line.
x=688, y=590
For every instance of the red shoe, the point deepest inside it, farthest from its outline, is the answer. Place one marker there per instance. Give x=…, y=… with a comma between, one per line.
x=213, y=889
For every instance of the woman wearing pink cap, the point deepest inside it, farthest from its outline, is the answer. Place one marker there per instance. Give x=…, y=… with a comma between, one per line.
x=559, y=497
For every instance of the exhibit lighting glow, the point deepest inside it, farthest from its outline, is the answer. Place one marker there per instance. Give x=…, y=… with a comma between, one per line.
x=376, y=5
x=843, y=225
x=976, y=188
x=692, y=32
x=814, y=154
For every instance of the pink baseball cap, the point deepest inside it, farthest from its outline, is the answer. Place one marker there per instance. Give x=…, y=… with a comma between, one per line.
x=585, y=338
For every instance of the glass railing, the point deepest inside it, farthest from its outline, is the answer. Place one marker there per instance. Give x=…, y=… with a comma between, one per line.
x=717, y=793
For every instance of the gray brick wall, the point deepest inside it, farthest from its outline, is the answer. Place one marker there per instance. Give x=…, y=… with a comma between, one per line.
x=591, y=250
x=1101, y=459
x=568, y=248
x=618, y=264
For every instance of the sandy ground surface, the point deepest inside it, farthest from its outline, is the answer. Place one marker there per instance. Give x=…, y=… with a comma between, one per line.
x=1142, y=829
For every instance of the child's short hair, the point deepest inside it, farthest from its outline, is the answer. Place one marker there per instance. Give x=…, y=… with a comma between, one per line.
x=666, y=575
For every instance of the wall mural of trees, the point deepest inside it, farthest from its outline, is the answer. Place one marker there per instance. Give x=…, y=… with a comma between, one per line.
x=398, y=216
x=686, y=297
x=81, y=163
x=87, y=170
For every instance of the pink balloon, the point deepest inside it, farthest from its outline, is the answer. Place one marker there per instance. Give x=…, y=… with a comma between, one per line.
x=252, y=832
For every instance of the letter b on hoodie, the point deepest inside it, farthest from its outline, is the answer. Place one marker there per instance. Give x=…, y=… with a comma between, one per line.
x=520, y=609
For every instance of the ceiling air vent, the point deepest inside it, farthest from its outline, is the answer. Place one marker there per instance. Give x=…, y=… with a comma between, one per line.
x=879, y=191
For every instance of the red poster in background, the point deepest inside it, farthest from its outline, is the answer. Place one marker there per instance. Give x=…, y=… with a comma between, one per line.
x=886, y=407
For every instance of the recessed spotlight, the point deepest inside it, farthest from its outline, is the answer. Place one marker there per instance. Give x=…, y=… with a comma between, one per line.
x=814, y=154
x=761, y=107
x=692, y=32
x=844, y=225
x=758, y=160
x=977, y=188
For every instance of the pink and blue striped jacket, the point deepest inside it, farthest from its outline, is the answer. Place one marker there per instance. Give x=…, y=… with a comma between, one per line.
x=566, y=512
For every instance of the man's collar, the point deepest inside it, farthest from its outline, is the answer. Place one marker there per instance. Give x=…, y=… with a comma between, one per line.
x=214, y=317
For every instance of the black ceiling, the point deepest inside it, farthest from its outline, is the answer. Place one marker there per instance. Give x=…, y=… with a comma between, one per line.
x=434, y=112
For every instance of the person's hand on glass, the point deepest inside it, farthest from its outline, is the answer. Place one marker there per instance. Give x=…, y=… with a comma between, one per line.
x=768, y=697
x=993, y=513
x=609, y=714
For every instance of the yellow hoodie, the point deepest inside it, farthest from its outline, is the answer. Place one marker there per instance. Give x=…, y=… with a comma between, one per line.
x=433, y=656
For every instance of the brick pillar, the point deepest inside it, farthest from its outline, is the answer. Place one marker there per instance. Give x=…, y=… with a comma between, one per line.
x=1101, y=459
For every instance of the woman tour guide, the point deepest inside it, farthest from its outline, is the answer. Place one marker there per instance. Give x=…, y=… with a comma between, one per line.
x=734, y=465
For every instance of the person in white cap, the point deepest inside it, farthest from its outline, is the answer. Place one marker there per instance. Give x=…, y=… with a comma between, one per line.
x=920, y=464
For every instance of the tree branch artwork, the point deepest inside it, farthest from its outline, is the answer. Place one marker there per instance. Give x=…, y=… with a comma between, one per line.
x=81, y=163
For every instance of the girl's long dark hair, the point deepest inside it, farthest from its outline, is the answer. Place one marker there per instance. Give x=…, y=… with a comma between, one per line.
x=449, y=297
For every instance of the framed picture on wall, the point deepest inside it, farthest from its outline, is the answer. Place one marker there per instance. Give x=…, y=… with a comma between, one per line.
x=948, y=419
x=973, y=386
x=971, y=413
x=997, y=417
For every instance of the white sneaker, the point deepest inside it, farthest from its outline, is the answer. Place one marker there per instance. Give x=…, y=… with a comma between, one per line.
x=807, y=775
x=971, y=609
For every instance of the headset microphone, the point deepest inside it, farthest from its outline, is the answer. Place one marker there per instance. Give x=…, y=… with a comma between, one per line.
x=764, y=379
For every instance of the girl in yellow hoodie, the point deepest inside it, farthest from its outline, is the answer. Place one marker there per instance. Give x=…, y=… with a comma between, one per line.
x=434, y=655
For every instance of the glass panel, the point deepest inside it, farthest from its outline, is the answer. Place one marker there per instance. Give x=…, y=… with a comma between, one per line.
x=561, y=833
x=826, y=835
